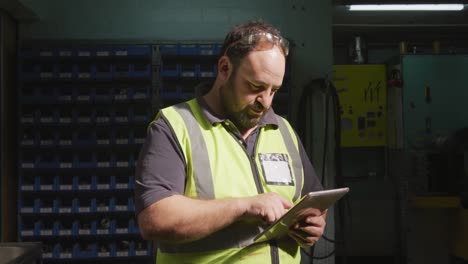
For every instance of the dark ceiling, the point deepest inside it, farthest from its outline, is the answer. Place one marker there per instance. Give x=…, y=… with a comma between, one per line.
x=389, y=28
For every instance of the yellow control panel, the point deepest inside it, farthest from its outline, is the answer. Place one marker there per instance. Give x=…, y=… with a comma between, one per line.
x=362, y=92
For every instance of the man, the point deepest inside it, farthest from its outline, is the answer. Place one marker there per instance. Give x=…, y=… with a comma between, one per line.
x=216, y=169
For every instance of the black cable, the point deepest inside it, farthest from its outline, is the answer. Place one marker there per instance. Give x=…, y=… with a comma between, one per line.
x=325, y=139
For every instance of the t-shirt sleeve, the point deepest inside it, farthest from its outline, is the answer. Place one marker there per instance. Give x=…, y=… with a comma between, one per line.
x=311, y=181
x=160, y=170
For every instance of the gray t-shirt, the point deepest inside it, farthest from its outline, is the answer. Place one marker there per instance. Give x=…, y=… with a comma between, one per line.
x=160, y=170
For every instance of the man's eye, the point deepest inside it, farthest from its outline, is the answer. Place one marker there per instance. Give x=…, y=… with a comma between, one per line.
x=256, y=87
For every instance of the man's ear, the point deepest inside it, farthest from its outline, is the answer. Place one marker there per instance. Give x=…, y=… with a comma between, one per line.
x=224, y=68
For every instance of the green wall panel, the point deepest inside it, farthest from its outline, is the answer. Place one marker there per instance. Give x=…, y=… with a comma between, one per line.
x=443, y=112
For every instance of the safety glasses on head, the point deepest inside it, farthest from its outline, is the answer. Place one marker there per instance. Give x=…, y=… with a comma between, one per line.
x=261, y=41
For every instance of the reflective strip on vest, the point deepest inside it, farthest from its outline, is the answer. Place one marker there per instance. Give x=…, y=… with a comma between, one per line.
x=201, y=161
x=295, y=156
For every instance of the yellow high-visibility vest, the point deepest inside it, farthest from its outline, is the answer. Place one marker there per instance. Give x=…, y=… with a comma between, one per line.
x=217, y=167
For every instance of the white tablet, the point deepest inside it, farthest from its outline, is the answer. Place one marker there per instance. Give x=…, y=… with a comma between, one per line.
x=319, y=200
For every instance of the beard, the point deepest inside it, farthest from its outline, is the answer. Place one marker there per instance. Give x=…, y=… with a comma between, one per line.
x=244, y=118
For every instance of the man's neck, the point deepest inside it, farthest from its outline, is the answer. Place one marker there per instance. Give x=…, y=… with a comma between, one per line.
x=213, y=100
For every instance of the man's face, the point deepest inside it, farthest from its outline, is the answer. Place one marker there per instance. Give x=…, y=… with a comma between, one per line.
x=248, y=92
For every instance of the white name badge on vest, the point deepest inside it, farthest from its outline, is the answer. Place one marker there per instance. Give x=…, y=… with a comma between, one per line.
x=276, y=168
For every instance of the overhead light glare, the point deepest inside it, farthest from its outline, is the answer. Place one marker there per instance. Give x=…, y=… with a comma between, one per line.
x=415, y=7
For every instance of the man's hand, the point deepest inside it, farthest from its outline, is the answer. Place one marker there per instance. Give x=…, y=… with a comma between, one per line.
x=267, y=207
x=308, y=231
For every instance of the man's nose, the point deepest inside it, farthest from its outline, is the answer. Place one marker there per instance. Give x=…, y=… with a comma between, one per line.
x=265, y=98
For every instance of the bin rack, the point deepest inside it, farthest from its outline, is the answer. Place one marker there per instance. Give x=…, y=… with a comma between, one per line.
x=72, y=102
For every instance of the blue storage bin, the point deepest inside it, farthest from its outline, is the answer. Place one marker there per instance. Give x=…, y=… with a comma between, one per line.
x=141, y=93
x=26, y=53
x=102, y=71
x=27, y=206
x=87, y=228
x=64, y=206
x=102, y=204
x=65, y=52
x=208, y=71
x=121, y=116
x=66, y=182
x=133, y=227
x=37, y=228
x=46, y=52
x=84, y=52
x=48, y=116
x=46, y=205
x=29, y=161
x=140, y=114
x=29, y=138
x=103, y=116
x=189, y=71
x=84, y=182
x=188, y=49
x=121, y=204
x=30, y=71
x=131, y=182
x=45, y=228
x=66, y=71
x=103, y=226
x=132, y=50
x=103, y=52
x=82, y=250
x=121, y=226
x=48, y=182
x=104, y=250
x=142, y=248
x=65, y=228
x=48, y=138
x=84, y=94
x=169, y=49
x=123, y=137
x=112, y=202
x=112, y=182
x=170, y=70
x=121, y=70
x=45, y=94
x=48, y=71
x=209, y=49
x=84, y=71
x=57, y=249
x=47, y=160
x=29, y=182
x=84, y=205
x=130, y=204
x=26, y=228
x=83, y=116
x=140, y=70
x=121, y=93
x=29, y=116
x=56, y=228
x=139, y=136
x=65, y=95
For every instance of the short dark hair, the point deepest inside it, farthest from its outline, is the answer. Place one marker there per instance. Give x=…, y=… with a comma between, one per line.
x=237, y=52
